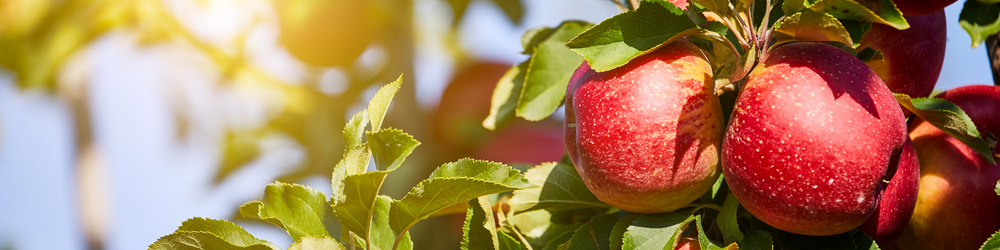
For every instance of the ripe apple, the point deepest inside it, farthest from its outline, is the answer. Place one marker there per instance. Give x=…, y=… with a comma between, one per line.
x=325, y=32
x=687, y=243
x=898, y=200
x=921, y=7
x=957, y=207
x=523, y=144
x=458, y=119
x=645, y=137
x=810, y=140
x=912, y=57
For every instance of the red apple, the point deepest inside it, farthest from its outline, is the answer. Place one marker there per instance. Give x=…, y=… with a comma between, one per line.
x=523, y=144
x=458, y=119
x=957, y=207
x=325, y=32
x=812, y=135
x=921, y=7
x=898, y=200
x=912, y=57
x=645, y=136
x=687, y=243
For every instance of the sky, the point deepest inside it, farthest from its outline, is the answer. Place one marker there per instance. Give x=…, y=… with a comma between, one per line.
x=157, y=182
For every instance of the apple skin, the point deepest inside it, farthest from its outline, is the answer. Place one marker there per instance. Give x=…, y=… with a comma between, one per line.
x=921, y=7
x=898, y=200
x=687, y=243
x=458, y=119
x=912, y=57
x=957, y=207
x=645, y=137
x=325, y=32
x=812, y=136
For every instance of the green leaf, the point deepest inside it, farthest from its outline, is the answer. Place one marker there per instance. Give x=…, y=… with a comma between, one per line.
x=205, y=234
x=354, y=130
x=390, y=147
x=513, y=9
x=479, y=231
x=595, y=234
x=533, y=37
x=549, y=70
x=453, y=183
x=238, y=149
x=505, y=95
x=618, y=232
x=356, y=206
x=979, y=20
x=993, y=243
x=382, y=235
x=354, y=162
x=998, y=188
x=657, y=231
x=950, y=118
x=561, y=242
x=857, y=30
x=793, y=6
x=720, y=7
x=538, y=227
x=508, y=242
x=560, y=188
x=380, y=103
x=727, y=220
x=298, y=209
x=862, y=241
x=811, y=26
x=316, y=243
x=617, y=40
x=703, y=241
x=756, y=240
x=852, y=10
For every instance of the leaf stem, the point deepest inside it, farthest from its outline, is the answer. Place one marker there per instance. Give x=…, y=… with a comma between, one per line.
x=519, y=236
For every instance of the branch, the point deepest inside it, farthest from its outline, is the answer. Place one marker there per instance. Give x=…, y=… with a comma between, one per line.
x=993, y=52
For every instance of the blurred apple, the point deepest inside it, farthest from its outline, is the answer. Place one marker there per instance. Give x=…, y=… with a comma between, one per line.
x=458, y=120
x=325, y=32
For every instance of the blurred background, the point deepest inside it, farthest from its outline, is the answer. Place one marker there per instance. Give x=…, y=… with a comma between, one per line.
x=119, y=119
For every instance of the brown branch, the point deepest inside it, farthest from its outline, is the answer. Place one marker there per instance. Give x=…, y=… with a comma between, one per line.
x=993, y=52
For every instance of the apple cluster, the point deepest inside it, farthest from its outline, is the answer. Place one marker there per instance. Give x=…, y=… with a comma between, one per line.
x=816, y=143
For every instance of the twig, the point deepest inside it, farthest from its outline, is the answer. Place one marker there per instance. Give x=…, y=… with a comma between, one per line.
x=993, y=52
x=635, y=4
x=620, y=6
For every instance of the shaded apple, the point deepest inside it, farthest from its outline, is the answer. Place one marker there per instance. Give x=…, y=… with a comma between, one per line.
x=898, y=200
x=523, y=143
x=812, y=135
x=465, y=102
x=912, y=57
x=921, y=7
x=645, y=137
x=957, y=207
x=325, y=32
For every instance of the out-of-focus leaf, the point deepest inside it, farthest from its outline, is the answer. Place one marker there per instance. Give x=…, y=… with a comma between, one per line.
x=209, y=234
x=458, y=10
x=619, y=39
x=453, y=183
x=950, y=118
x=549, y=70
x=979, y=20
x=513, y=9
x=316, y=243
x=504, y=102
x=560, y=188
x=479, y=230
x=238, y=149
x=298, y=209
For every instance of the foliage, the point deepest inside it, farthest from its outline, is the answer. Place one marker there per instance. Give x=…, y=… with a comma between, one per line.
x=366, y=219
